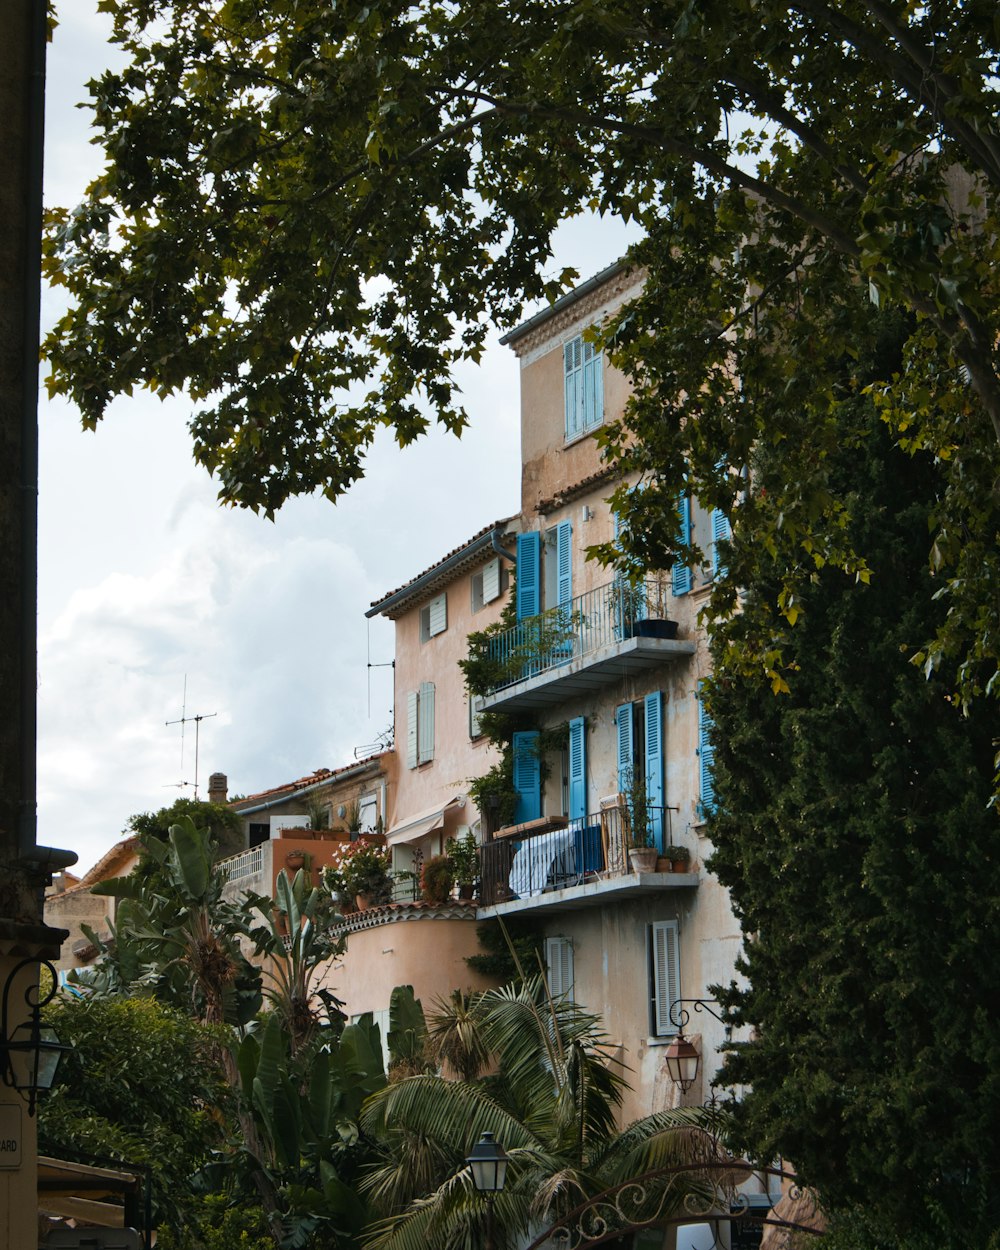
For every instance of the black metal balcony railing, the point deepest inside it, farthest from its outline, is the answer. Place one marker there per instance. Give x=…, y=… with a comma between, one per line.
x=587, y=849
x=609, y=614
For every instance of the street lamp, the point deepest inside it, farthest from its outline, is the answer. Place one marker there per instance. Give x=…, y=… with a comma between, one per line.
x=30, y=1053
x=488, y=1162
x=682, y=1060
x=681, y=1056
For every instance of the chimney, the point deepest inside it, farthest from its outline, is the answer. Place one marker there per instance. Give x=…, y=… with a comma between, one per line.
x=218, y=786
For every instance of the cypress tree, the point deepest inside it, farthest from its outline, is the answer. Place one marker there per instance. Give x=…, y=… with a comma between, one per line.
x=854, y=830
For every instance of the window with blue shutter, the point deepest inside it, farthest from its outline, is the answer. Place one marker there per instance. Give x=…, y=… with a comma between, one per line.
x=564, y=562
x=583, y=386
x=577, y=769
x=527, y=776
x=623, y=728
x=720, y=532
x=653, y=707
x=706, y=759
x=529, y=560
x=681, y=573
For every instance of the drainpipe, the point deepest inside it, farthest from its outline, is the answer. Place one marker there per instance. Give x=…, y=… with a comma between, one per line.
x=501, y=551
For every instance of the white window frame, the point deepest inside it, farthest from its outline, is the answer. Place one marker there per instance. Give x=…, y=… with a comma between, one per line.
x=664, y=975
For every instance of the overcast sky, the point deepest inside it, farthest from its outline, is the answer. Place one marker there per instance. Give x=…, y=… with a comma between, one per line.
x=145, y=582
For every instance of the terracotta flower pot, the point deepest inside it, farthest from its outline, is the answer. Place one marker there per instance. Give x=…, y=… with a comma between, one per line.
x=642, y=858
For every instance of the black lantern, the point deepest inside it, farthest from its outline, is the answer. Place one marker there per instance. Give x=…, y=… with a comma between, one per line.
x=30, y=1052
x=488, y=1162
x=682, y=1060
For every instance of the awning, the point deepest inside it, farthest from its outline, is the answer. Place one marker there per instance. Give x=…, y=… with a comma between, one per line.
x=419, y=826
x=109, y=1198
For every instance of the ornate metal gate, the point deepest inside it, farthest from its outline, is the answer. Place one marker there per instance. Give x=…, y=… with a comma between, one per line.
x=693, y=1193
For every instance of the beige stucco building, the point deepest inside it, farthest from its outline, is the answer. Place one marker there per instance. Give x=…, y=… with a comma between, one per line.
x=604, y=702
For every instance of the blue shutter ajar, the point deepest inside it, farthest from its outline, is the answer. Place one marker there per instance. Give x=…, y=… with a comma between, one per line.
x=529, y=561
x=681, y=573
x=653, y=707
x=577, y=769
x=623, y=728
x=706, y=759
x=720, y=532
x=527, y=776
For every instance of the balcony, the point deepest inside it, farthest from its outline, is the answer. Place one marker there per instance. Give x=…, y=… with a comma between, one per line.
x=583, y=645
x=559, y=863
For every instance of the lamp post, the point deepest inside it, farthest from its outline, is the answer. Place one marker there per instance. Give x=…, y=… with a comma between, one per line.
x=30, y=1052
x=488, y=1162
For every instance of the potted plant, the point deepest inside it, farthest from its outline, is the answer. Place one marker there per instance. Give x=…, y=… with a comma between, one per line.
x=365, y=871
x=297, y=858
x=463, y=854
x=627, y=603
x=679, y=856
x=641, y=851
x=436, y=879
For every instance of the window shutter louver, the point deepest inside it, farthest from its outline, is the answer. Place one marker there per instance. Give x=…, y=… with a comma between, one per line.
x=654, y=764
x=564, y=562
x=623, y=727
x=666, y=975
x=577, y=769
x=491, y=581
x=527, y=776
x=425, y=723
x=681, y=573
x=438, y=615
x=720, y=532
x=412, y=701
x=559, y=966
x=706, y=758
x=572, y=382
x=528, y=569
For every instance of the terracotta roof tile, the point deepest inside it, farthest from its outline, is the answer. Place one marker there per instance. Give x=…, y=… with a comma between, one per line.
x=311, y=779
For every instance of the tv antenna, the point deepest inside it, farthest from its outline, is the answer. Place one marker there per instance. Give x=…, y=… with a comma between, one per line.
x=183, y=721
x=388, y=664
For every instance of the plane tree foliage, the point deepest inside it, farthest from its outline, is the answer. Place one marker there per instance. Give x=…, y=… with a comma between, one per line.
x=312, y=213
x=853, y=829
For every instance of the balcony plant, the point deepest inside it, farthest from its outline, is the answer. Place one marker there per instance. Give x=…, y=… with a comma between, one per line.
x=365, y=871
x=437, y=879
x=641, y=851
x=463, y=854
x=679, y=856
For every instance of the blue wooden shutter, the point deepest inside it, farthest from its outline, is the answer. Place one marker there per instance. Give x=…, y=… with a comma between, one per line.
x=527, y=776
x=706, y=758
x=564, y=562
x=720, y=532
x=573, y=384
x=681, y=573
x=593, y=387
x=623, y=726
x=529, y=561
x=577, y=769
x=654, y=764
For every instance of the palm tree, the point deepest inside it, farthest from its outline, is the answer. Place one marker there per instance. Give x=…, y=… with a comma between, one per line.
x=551, y=1098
